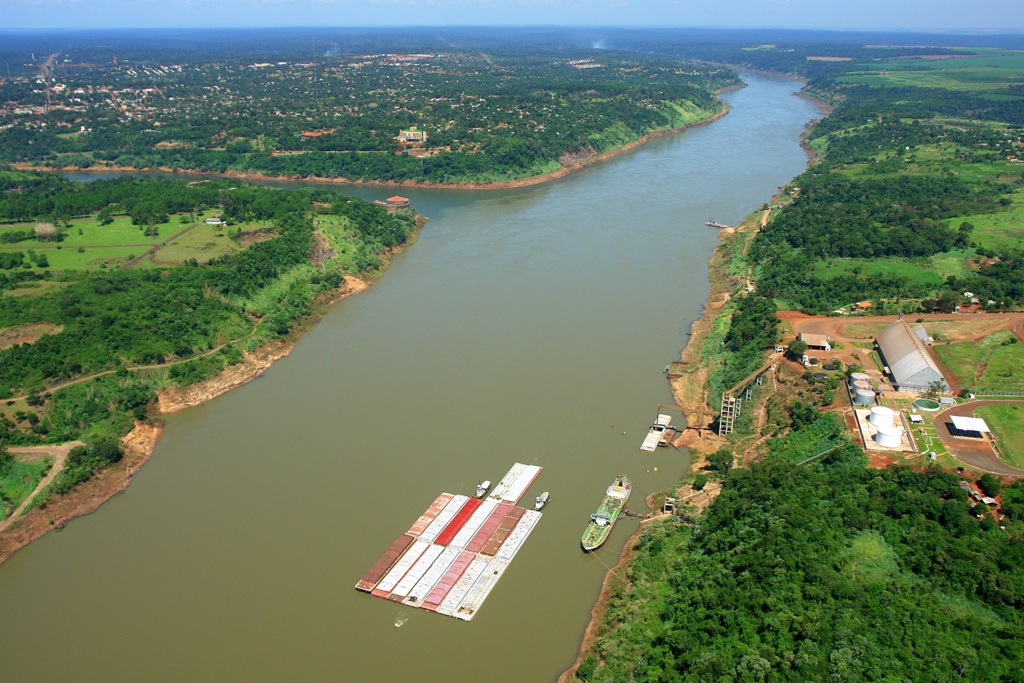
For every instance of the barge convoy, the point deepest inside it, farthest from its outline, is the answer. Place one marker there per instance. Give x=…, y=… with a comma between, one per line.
x=453, y=555
x=602, y=521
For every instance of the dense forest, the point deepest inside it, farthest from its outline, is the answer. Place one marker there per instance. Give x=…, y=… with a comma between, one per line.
x=827, y=571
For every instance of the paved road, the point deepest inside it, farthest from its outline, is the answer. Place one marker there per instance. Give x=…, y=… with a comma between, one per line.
x=974, y=452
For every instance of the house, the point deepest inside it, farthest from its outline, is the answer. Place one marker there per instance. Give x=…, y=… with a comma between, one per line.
x=906, y=356
x=413, y=136
x=821, y=342
x=215, y=220
x=393, y=204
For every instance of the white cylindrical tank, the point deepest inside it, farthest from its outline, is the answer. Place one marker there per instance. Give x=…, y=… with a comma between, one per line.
x=863, y=397
x=862, y=384
x=859, y=376
x=881, y=416
x=889, y=437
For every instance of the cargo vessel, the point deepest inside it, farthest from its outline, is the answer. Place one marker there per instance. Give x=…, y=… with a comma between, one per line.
x=602, y=521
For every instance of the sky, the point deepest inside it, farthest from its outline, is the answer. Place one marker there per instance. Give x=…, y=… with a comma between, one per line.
x=945, y=15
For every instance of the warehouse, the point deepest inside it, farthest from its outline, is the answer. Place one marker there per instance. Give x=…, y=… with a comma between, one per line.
x=907, y=359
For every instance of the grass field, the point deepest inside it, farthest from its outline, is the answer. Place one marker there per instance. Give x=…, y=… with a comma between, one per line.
x=997, y=230
x=1007, y=422
x=990, y=73
x=113, y=245
x=919, y=271
x=1001, y=362
x=19, y=482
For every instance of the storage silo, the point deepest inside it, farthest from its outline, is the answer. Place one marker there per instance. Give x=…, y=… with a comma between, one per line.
x=881, y=416
x=889, y=437
x=859, y=376
x=862, y=397
x=862, y=384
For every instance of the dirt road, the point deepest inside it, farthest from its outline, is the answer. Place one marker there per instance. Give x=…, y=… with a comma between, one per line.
x=60, y=453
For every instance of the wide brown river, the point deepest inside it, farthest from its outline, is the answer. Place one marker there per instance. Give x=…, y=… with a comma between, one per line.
x=528, y=325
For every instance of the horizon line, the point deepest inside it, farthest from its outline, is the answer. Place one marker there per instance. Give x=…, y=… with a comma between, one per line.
x=973, y=31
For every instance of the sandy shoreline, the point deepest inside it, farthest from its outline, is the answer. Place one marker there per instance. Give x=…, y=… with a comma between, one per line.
x=257, y=176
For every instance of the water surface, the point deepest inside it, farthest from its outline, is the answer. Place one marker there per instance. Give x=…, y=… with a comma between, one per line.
x=530, y=325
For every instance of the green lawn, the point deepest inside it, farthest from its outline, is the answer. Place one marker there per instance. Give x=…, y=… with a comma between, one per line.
x=997, y=230
x=203, y=244
x=918, y=271
x=127, y=241
x=19, y=482
x=1004, y=364
x=1007, y=422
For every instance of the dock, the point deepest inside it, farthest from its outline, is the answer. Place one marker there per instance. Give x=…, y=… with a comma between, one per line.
x=716, y=224
x=451, y=558
x=657, y=432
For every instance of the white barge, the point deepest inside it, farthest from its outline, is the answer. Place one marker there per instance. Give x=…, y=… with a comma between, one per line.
x=657, y=431
x=453, y=555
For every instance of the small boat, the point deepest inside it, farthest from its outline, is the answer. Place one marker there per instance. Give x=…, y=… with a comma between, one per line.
x=482, y=488
x=602, y=521
x=542, y=500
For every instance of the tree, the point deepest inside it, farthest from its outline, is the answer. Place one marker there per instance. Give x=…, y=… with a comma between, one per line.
x=700, y=481
x=720, y=461
x=802, y=414
x=935, y=388
x=796, y=350
x=104, y=216
x=6, y=461
x=47, y=232
x=989, y=485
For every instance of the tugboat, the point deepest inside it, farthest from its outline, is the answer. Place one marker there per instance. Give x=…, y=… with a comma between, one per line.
x=541, y=501
x=482, y=488
x=602, y=521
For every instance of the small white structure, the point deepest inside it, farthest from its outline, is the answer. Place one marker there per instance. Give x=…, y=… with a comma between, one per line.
x=214, y=220
x=881, y=416
x=916, y=419
x=889, y=437
x=971, y=427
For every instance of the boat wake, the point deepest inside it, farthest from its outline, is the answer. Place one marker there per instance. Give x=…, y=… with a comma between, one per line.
x=400, y=620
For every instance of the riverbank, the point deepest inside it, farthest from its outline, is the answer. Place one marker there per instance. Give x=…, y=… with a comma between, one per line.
x=139, y=444
x=689, y=382
x=256, y=176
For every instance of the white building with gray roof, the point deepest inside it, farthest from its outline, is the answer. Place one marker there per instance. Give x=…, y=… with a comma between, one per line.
x=906, y=355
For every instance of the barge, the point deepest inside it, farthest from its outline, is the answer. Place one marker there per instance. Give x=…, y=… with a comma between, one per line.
x=658, y=431
x=602, y=521
x=451, y=558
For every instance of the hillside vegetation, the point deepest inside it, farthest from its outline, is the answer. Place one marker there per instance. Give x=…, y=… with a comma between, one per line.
x=146, y=329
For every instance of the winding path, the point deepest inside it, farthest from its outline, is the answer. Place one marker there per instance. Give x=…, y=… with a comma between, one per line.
x=60, y=453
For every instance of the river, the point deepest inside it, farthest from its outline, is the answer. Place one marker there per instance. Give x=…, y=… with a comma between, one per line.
x=530, y=325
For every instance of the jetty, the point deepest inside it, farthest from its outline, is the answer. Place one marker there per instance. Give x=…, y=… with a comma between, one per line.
x=716, y=224
x=451, y=558
x=654, y=436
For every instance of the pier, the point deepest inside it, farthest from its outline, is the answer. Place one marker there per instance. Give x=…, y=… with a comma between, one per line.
x=451, y=558
x=716, y=224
